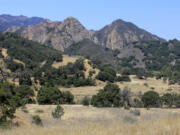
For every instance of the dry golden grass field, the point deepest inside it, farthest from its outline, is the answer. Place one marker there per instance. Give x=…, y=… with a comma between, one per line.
x=81, y=120
x=136, y=85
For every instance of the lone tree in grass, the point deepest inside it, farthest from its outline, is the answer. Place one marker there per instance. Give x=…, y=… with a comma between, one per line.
x=58, y=112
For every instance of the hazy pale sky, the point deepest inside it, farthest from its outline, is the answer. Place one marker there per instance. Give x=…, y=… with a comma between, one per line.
x=160, y=17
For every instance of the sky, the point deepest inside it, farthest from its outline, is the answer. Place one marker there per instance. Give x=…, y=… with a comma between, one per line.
x=160, y=17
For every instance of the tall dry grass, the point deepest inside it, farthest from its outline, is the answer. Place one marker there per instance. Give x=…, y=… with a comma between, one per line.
x=168, y=126
x=80, y=120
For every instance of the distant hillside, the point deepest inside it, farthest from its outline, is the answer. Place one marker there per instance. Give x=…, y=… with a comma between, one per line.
x=61, y=35
x=152, y=58
x=21, y=21
x=93, y=51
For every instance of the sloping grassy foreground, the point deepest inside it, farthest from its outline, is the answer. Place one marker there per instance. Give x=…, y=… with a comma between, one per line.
x=80, y=120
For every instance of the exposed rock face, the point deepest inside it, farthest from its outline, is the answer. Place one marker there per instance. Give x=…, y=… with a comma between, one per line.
x=120, y=33
x=20, y=21
x=62, y=34
x=58, y=34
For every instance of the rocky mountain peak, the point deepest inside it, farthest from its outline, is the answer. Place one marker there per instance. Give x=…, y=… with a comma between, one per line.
x=71, y=20
x=73, y=24
x=120, y=33
x=61, y=35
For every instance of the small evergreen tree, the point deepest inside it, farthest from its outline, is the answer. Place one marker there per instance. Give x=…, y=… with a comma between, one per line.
x=58, y=112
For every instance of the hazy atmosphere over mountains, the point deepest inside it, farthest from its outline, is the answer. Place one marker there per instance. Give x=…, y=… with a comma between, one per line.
x=20, y=21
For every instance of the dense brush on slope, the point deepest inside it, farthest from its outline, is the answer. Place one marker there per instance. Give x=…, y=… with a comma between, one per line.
x=31, y=62
x=159, y=59
x=95, y=52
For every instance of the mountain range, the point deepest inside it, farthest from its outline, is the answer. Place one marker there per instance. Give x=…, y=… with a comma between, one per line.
x=20, y=21
x=60, y=35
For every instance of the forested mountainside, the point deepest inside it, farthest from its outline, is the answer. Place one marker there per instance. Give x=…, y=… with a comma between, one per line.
x=26, y=62
x=148, y=58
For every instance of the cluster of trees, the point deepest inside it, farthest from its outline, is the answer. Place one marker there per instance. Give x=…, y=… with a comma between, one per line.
x=68, y=76
x=12, y=97
x=112, y=96
x=162, y=58
x=52, y=95
x=109, y=74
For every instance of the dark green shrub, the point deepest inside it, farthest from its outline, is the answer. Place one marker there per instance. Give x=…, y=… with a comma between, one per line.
x=151, y=99
x=37, y=120
x=110, y=96
x=123, y=78
x=49, y=96
x=25, y=79
x=68, y=97
x=168, y=99
x=25, y=93
x=176, y=99
x=86, y=101
x=107, y=74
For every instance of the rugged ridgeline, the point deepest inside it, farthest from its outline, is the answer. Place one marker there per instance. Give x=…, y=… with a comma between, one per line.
x=58, y=34
x=121, y=33
x=15, y=22
x=62, y=34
